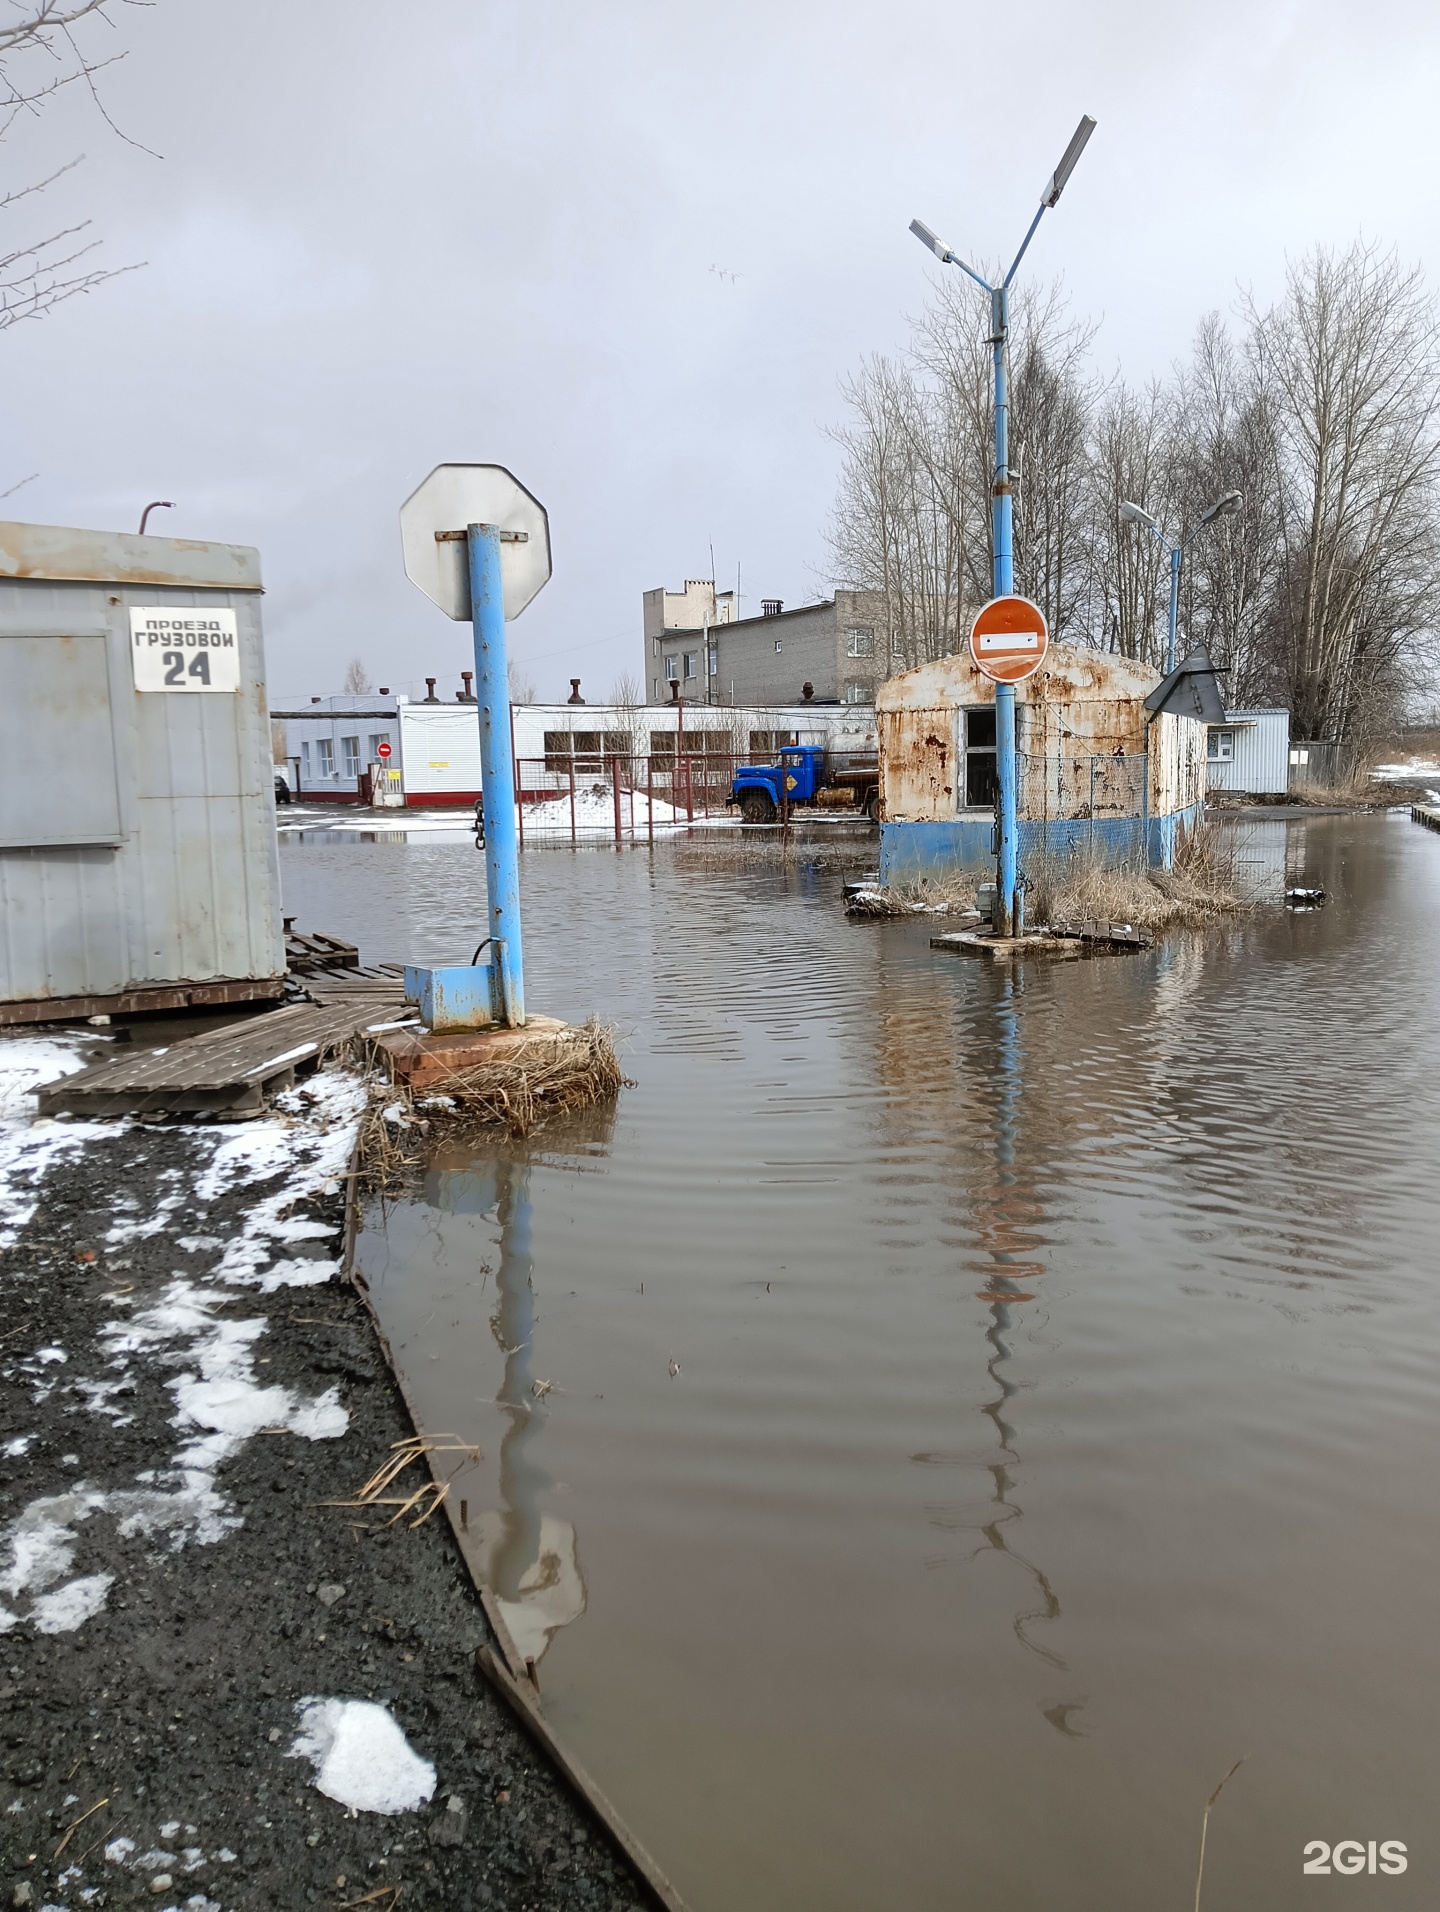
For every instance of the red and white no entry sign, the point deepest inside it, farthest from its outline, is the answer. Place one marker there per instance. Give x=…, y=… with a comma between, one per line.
x=382, y=751
x=1008, y=639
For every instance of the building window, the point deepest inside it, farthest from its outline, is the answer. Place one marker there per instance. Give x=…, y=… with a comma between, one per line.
x=656, y=682
x=377, y=737
x=305, y=761
x=777, y=644
x=714, y=661
x=325, y=758
x=690, y=663
x=981, y=783
x=672, y=670
x=654, y=647
x=591, y=751
x=858, y=693
x=859, y=643
x=350, y=755
x=1220, y=746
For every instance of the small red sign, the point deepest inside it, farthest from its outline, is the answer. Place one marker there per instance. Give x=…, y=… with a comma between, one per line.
x=382, y=751
x=1008, y=639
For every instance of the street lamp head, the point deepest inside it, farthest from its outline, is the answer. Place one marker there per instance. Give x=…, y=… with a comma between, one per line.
x=927, y=238
x=1068, y=161
x=1222, y=507
x=1134, y=514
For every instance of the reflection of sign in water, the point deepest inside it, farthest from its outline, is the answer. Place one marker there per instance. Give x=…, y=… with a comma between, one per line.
x=549, y=1592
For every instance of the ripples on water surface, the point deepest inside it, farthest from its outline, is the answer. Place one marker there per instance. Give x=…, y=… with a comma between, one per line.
x=901, y=1592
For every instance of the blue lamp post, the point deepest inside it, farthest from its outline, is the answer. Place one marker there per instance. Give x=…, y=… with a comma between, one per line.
x=1002, y=542
x=1133, y=514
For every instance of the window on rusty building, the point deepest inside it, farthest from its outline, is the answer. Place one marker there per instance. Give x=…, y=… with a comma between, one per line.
x=981, y=780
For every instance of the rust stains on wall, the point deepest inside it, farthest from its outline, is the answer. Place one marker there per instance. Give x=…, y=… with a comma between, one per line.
x=1082, y=732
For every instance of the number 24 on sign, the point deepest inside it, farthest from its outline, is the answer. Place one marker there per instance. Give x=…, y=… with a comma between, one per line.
x=1351, y=1855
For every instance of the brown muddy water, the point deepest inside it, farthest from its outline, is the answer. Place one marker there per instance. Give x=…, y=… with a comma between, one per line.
x=1058, y=1372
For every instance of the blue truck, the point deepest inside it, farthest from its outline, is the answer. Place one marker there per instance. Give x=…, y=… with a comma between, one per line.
x=811, y=778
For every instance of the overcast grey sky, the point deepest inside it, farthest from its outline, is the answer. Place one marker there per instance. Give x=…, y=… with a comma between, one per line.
x=380, y=237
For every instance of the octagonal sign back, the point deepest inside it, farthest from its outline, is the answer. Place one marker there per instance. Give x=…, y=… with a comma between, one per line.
x=454, y=496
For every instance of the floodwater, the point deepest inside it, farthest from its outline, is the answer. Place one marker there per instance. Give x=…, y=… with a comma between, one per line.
x=1058, y=1367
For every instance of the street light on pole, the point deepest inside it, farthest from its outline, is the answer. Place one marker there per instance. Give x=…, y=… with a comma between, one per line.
x=1003, y=568
x=1134, y=514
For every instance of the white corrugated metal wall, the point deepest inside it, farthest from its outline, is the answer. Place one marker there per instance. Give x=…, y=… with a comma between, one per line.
x=182, y=885
x=1259, y=760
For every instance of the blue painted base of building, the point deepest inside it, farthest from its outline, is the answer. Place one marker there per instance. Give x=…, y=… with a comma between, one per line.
x=909, y=851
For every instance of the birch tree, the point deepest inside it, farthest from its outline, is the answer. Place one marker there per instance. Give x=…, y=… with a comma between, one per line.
x=1350, y=362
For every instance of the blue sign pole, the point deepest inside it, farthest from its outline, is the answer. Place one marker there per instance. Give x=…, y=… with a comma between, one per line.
x=1002, y=539
x=1009, y=913
x=497, y=776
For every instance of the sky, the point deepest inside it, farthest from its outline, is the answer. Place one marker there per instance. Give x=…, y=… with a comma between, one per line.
x=630, y=251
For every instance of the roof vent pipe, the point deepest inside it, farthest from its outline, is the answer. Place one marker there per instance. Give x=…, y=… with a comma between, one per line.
x=771, y=607
x=574, y=697
x=430, y=697
x=467, y=687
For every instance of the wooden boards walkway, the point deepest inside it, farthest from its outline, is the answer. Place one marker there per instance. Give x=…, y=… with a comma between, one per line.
x=226, y=1071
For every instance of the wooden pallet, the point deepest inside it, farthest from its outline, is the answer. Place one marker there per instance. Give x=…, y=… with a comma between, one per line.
x=304, y=955
x=383, y=986
x=225, y=1071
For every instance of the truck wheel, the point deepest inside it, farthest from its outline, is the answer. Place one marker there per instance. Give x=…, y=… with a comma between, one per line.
x=757, y=806
x=872, y=805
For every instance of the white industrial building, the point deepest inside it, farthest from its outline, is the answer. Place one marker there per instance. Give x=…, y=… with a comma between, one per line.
x=1249, y=753
x=332, y=746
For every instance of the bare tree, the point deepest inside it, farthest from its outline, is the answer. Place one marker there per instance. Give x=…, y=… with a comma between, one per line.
x=625, y=692
x=1128, y=595
x=39, y=57
x=522, y=685
x=912, y=520
x=357, y=679
x=1222, y=439
x=1350, y=359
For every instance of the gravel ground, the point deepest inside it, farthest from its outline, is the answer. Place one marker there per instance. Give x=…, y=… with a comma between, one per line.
x=196, y=1587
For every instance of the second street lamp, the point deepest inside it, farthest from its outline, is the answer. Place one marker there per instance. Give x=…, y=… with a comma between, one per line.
x=1135, y=514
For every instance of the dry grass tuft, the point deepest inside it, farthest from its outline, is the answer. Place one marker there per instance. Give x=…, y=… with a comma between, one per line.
x=551, y=1073
x=950, y=895
x=1201, y=887
x=417, y=1502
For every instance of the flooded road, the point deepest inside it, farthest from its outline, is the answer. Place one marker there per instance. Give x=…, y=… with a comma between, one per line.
x=1058, y=1367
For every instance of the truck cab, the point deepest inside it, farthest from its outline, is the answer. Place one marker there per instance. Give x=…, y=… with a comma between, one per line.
x=807, y=774
x=757, y=786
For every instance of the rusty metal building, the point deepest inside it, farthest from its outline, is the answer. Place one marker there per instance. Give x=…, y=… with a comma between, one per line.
x=138, y=858
x=1098, y=772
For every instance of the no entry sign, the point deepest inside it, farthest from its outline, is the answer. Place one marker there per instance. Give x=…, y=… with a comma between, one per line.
x=1008, y=639
x=382, y=751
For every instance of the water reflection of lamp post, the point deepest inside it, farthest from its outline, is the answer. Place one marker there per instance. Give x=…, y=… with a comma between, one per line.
x=1133, y=514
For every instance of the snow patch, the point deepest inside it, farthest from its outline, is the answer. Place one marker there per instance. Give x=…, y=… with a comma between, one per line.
x=361, y=1757
x=72, y=1605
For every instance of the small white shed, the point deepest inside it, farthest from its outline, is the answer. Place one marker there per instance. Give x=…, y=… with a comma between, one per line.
x=138, y=859
x=1249, y=753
